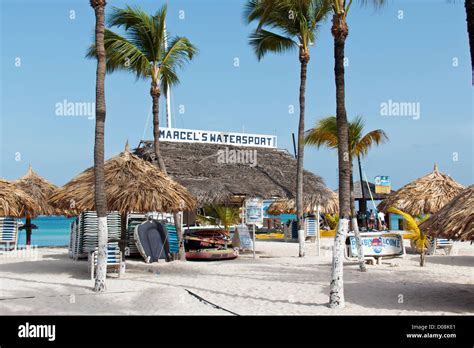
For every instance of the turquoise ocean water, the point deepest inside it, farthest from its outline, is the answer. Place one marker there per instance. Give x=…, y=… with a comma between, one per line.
x=52, y=231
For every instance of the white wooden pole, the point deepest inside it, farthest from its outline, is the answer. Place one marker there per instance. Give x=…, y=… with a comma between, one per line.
x=253, y=241
x=168, y=94
x=318, y=232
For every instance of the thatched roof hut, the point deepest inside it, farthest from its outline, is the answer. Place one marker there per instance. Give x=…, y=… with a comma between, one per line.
x=331, y=206
x=425, y=195
x=14, y=201
x=455, y=220
x=39, y=189
x=199, y=167
x=131, y=185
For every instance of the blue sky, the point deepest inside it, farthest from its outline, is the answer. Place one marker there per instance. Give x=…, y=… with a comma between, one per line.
x=403, y=60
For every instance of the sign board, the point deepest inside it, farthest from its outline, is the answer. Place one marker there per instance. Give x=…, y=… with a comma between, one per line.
x=220, y=138
x=382, y=184
x=254, y=211
x=243, y=241
x=378, y=244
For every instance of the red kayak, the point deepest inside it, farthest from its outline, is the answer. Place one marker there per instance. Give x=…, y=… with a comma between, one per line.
x=212, y=254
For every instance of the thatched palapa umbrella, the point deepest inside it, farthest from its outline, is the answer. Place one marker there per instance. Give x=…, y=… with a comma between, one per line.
x=330, y=206
x=131, y=185
x=38, y=189
x=14, y=201
x=455, y=220
x=425, y=195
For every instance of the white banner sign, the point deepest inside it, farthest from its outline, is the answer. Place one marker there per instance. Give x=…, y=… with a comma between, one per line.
x=378, y=245
x=213, y=137
x=253, y=211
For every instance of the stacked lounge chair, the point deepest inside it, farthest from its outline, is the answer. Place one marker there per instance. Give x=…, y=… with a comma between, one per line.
x=84, y=233
x=133, y=220
x=8, y=233
x=311, y=228
x=173, y=238
x=89, y=226
x=74, y=240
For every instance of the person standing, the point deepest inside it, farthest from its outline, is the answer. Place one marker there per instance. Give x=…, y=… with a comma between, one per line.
x=371, y=219
x=381, y=218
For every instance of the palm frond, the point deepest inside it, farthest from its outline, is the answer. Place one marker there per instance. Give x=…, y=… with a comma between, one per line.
x=264, y=41
x=377, y=4
x=159, y=35
x=224, y=215
x=142, y=49
x=168, y=77
x=332, y=220
x=140, y=28
x=419, y=239
x=422, y=218
x=375, y=137
x=295, y=19
x=324, y=133
x=121, y=54
x=180, y=52
x=412, y=225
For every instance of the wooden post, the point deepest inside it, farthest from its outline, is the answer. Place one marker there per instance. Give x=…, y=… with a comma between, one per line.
x=28, y=230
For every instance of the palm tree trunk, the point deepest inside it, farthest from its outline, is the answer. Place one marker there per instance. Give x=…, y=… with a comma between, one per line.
x=469, y=5
x=155, y=94
x=100, y=198
x=336, y=294
x=422, y=258
x=355, y=226
x=304, y=59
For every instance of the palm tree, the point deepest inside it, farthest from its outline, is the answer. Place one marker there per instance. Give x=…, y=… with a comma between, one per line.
x=225, y=215
x=340, y=31
x=420, y=241
x=469, y=5
x=325, y=133
x=100, y=198
x=289, y=24
x=142, y=52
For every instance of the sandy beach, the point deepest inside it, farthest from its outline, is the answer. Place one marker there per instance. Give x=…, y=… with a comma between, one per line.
x=277, y=282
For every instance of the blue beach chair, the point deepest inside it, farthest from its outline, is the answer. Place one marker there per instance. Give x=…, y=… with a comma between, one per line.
x=9, y=232
x=114, y=259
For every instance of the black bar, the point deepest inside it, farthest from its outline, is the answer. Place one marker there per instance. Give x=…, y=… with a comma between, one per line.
x=259, y=330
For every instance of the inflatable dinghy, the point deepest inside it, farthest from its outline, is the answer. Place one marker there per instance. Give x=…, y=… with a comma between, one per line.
x=151, y=238
x=212, y=254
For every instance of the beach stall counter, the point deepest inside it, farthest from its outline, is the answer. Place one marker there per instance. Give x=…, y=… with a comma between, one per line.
x=376, y=246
